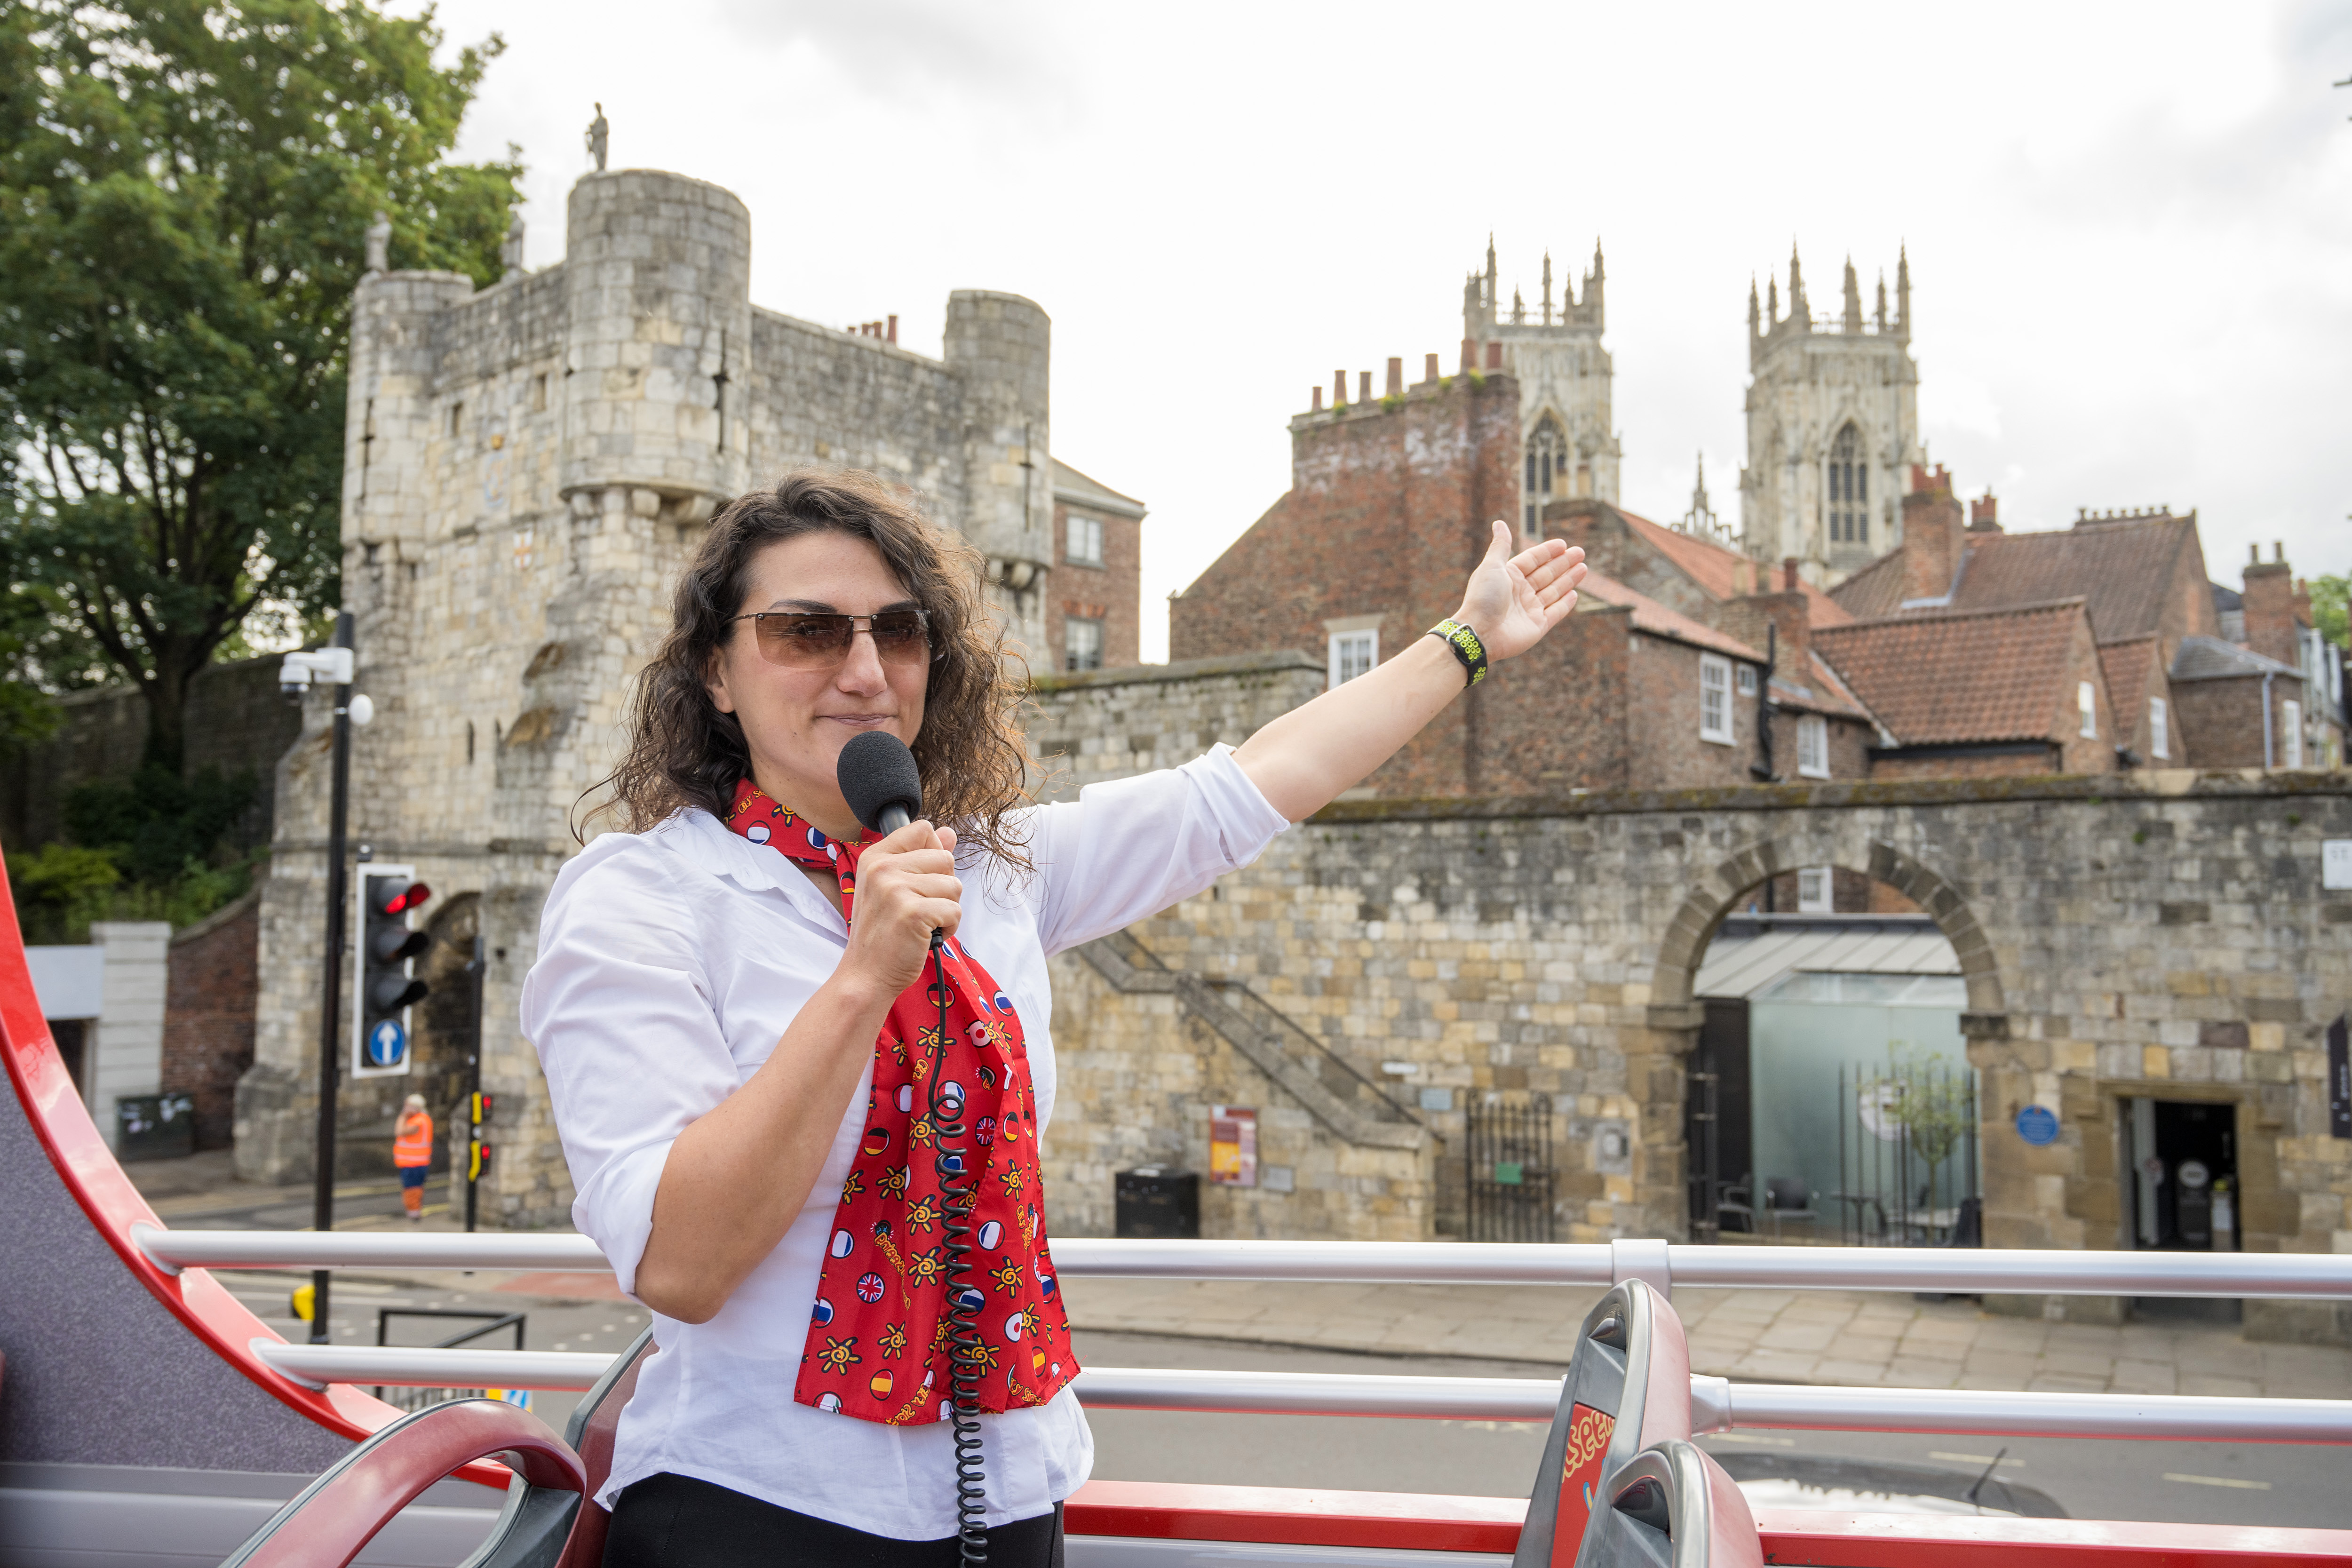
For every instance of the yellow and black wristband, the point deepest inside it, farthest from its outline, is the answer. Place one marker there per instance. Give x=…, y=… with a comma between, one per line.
x=1465, y=646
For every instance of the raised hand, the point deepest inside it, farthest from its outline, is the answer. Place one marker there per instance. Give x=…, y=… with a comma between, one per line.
x=1511, y=601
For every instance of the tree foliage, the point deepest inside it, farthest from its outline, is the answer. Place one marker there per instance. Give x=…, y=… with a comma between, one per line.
x=2328, y=606
x=185, y=187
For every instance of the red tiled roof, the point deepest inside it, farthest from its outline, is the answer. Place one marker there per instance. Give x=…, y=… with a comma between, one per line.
x=1651, y=617
x=1946, y=677
x=1875, y=591
x=2122, y=570
x=1821, y=691
x=1712, y=567
x=2125, y=664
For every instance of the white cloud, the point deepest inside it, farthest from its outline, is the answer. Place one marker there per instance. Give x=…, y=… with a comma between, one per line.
x=2129, y=233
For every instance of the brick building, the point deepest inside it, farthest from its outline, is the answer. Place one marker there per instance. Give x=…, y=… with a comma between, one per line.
x=212, y=985
x=1098, y=582
x=2198, y=676
x=1658, y=682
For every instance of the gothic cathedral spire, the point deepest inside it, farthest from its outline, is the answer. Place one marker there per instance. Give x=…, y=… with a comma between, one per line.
x=1852, y=323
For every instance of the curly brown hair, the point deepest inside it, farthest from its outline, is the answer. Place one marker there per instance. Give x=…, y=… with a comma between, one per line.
x=684, y=751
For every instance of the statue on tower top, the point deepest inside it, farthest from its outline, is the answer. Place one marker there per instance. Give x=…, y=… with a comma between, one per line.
x=379, y=243
x=599, y=133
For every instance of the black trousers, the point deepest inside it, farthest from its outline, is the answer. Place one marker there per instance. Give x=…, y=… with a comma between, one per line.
x=677, y=1522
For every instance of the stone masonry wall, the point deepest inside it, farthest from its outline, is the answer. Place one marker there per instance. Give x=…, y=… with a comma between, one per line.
x=236, y=721
x=2160, y=934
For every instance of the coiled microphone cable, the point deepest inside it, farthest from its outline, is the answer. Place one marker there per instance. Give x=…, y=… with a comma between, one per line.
x=957, y=1197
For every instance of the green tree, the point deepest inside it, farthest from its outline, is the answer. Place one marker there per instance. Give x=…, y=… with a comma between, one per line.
x=2328, y=596
x=185, y=187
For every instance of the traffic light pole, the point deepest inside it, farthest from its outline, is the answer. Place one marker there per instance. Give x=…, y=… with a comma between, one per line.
x=330, y=1004
x=473, y=1088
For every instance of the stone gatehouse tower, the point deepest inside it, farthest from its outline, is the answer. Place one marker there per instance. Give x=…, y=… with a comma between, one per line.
x=1833, y=427
x=527, y=466
x=1567, y=431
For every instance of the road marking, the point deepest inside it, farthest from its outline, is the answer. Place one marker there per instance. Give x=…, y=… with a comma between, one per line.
x=1751, y=1439
x=2219, y=1481
x=1969, y=1458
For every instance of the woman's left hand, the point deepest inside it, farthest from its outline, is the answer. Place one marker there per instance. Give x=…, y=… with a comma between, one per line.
x=1513, y=600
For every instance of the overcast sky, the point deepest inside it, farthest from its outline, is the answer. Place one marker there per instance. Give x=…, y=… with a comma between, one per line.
x=2130, y=226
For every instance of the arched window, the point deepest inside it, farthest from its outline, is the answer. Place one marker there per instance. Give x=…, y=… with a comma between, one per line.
x=1849, y=489
x=1548, y=469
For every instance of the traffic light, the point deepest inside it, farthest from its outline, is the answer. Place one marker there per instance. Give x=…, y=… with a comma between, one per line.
x=386, y=988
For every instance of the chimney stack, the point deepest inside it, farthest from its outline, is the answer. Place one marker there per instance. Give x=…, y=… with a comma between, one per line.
x=1430, y=369
x=1469, y=356
x=1338, y=388
x=1317, y=407
x=1495, y=356
x=1932, y=532
x=894, y=329
x=1984, y=514
x=1363, y=386
x=2270, y=607
x=1396, y=376
x=1782, y=605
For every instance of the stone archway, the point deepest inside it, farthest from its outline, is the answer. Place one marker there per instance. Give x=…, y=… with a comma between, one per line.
x=1675, y=1018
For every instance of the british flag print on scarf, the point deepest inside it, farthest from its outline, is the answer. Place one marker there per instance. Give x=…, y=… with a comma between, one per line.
x=879, y=1332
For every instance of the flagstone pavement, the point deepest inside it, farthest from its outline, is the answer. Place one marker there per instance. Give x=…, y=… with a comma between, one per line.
x=1852, y=1338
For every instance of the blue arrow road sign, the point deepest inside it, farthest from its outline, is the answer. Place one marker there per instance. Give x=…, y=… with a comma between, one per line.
x=387, y=1043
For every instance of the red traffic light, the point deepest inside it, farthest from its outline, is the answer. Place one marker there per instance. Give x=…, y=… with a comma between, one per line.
x=391, y=897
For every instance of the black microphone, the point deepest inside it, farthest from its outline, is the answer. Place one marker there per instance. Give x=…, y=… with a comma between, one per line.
x=880, y=780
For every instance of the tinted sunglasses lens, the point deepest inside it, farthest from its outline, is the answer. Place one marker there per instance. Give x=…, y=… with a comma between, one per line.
x=803, y=640
x=900, y=634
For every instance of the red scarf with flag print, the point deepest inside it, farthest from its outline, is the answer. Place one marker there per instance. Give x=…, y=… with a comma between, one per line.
x=878, y=1341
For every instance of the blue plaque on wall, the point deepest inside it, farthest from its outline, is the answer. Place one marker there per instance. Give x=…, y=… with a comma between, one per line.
x=2038, y=1125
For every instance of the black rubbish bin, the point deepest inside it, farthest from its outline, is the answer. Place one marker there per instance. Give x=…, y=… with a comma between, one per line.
x=155, y=1127
x=1155, y=1203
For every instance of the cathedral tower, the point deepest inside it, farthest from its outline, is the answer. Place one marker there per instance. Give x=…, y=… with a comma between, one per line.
x=1568, y=438
x=1833, y=426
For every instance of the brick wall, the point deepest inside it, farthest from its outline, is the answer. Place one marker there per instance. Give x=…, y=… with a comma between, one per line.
x=1110, y=593
x=2221, y=720
x=208, y=1014
x=1387, y=512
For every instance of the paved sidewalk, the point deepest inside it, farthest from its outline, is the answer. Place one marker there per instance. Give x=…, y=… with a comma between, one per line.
x=1855, y=1338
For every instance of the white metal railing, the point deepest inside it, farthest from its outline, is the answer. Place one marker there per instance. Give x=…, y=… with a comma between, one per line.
x=1717, y=1404
x=1965, y=1271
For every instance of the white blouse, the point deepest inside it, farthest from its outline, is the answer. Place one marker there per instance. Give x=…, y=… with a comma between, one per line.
x=670, y=963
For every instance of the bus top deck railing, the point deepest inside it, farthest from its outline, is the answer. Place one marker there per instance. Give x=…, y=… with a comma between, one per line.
x=1661, y=1265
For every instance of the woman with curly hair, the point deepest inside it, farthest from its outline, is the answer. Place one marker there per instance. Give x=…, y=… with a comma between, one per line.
x=737, y=1004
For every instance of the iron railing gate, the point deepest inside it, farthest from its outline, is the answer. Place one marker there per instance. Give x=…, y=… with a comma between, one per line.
x=1511, y=1172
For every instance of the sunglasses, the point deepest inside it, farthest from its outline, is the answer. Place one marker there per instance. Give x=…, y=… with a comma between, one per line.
x=798, y=640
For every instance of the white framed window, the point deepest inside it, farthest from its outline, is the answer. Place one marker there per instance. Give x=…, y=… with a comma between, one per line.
x=1082, y=545
x=1354, y=654
x=1815, y=891
x=2086, y=698
x=2159, y=729
x=1714, y=699
x=1812, y=745
x=1745, y=676
x=1082, y=643
x=2290, y=733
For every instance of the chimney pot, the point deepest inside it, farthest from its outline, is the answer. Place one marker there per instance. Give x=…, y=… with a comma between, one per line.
x=1363, y=386
x=893, y=329
x=1338, y=388
x=1495, y=356
x=1430, y=369
x=1317, y=407
x=1789, y=575
x=2278, y=550
x=1469, y=356
x=1396, y=375
x=2254, y=555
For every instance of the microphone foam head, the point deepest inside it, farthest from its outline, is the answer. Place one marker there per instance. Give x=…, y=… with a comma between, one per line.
x=876, y=772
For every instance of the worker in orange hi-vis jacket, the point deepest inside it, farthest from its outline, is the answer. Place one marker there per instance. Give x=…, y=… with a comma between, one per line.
x=412, y=1151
